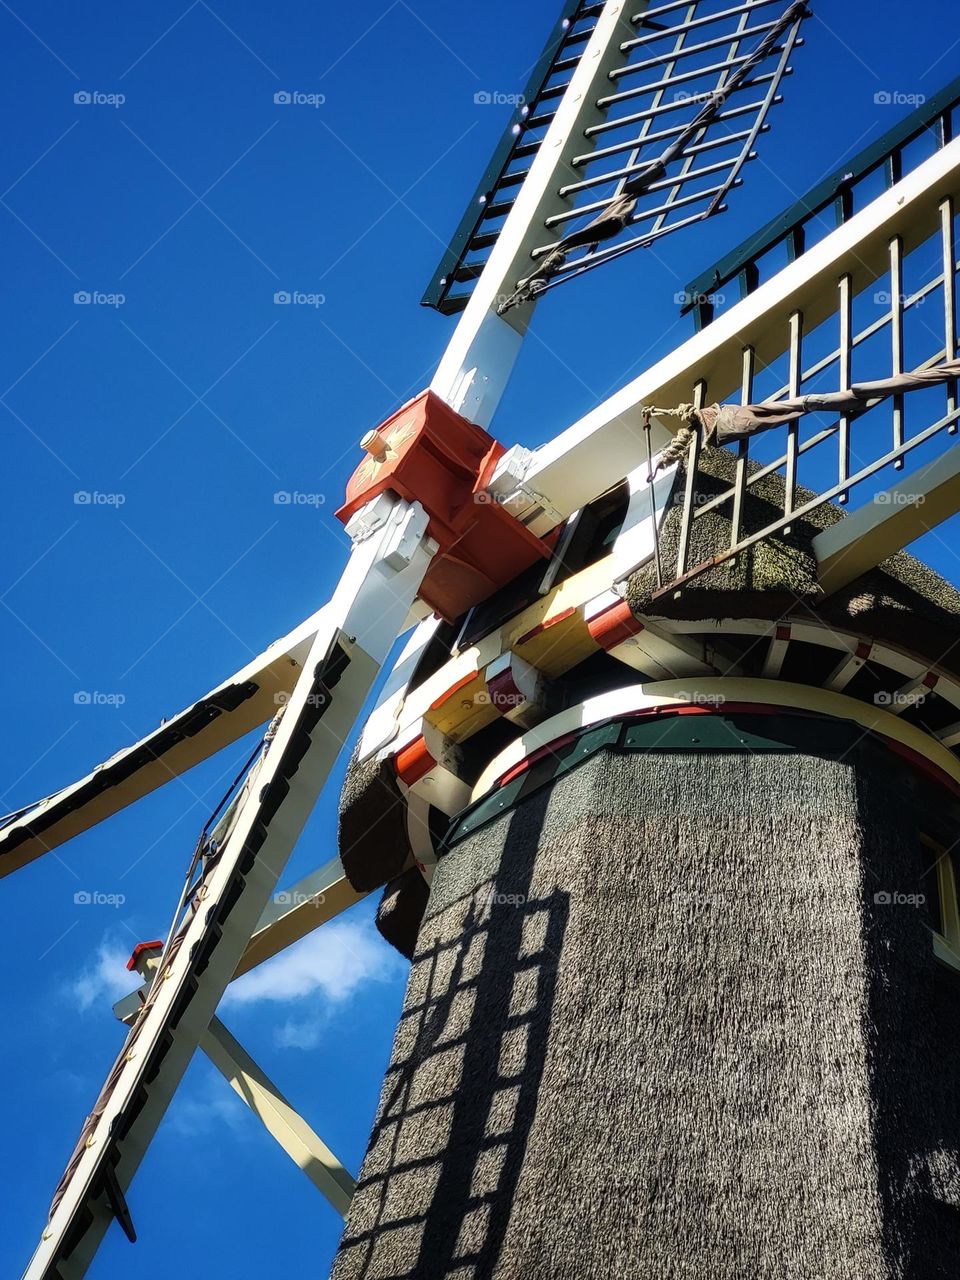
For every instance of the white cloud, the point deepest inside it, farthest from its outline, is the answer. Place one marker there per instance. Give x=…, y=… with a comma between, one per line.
x=299, y=1033
x=204, y=1105
x=106, y=979
x=334, y=961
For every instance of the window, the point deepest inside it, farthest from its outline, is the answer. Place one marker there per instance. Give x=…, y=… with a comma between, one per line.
x=939, y=886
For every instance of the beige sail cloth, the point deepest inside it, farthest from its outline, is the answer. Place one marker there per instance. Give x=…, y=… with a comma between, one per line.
x=728, y=423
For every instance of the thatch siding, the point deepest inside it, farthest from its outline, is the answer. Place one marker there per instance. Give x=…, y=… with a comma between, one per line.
x=657, y=1027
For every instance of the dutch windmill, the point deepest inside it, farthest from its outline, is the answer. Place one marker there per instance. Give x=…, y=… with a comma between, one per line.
x=652, y=670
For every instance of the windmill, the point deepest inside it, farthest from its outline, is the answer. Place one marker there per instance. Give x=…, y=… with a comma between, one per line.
x=669, y=740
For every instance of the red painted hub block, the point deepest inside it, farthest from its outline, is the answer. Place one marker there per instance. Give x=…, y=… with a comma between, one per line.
x=429, y=454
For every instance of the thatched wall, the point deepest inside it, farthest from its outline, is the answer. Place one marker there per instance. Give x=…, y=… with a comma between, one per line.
x=657, y=1027
x=902, y=601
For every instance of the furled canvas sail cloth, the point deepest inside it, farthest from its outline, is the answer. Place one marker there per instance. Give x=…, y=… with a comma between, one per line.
x=616, y=217
x=728, y=423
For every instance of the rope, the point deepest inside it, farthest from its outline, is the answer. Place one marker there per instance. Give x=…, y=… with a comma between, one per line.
x=618, y=213
x=679, y=446
x=720, y=424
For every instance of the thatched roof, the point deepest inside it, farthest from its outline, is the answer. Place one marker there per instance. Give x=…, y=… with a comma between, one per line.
x=902, y=601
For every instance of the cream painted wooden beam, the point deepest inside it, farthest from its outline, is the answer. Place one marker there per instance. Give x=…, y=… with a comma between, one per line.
x=903, y=513
x=246, y=700
x=304, y=1147
x=293, y=914
x=297, y=911
x=593, y=454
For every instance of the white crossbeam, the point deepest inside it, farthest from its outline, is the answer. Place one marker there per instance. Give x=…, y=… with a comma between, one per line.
x=593, y=454
x=477, y=364
x=247, y=699
x=279, y=1118
x=355, y=635
x=917, y=503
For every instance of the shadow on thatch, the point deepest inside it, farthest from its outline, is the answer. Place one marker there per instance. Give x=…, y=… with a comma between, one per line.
x=482, y=1026
x=912, y=1035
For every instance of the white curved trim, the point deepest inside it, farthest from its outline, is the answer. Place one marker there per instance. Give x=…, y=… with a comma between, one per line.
x=845, y=640
x=417, y=818
x=714, y=691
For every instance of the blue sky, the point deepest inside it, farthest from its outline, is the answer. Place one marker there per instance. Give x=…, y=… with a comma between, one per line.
x=195, y=400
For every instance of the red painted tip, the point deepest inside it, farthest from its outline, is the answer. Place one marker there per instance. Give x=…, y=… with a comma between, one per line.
x=140, y=948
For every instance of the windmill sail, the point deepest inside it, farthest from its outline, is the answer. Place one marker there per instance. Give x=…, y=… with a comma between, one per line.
x=673, y=128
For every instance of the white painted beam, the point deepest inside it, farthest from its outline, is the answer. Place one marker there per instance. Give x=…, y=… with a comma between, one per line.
x=909, y=695
x=917, y=503
x=358, y=629
x=593, y=454
x=477, y=364
x=80, y=806
x=281, y=1121
x=776, y=653
x=847, y=668
x=291, y=915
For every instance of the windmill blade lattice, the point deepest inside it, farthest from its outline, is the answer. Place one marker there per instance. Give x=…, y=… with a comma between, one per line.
x=679, y=123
